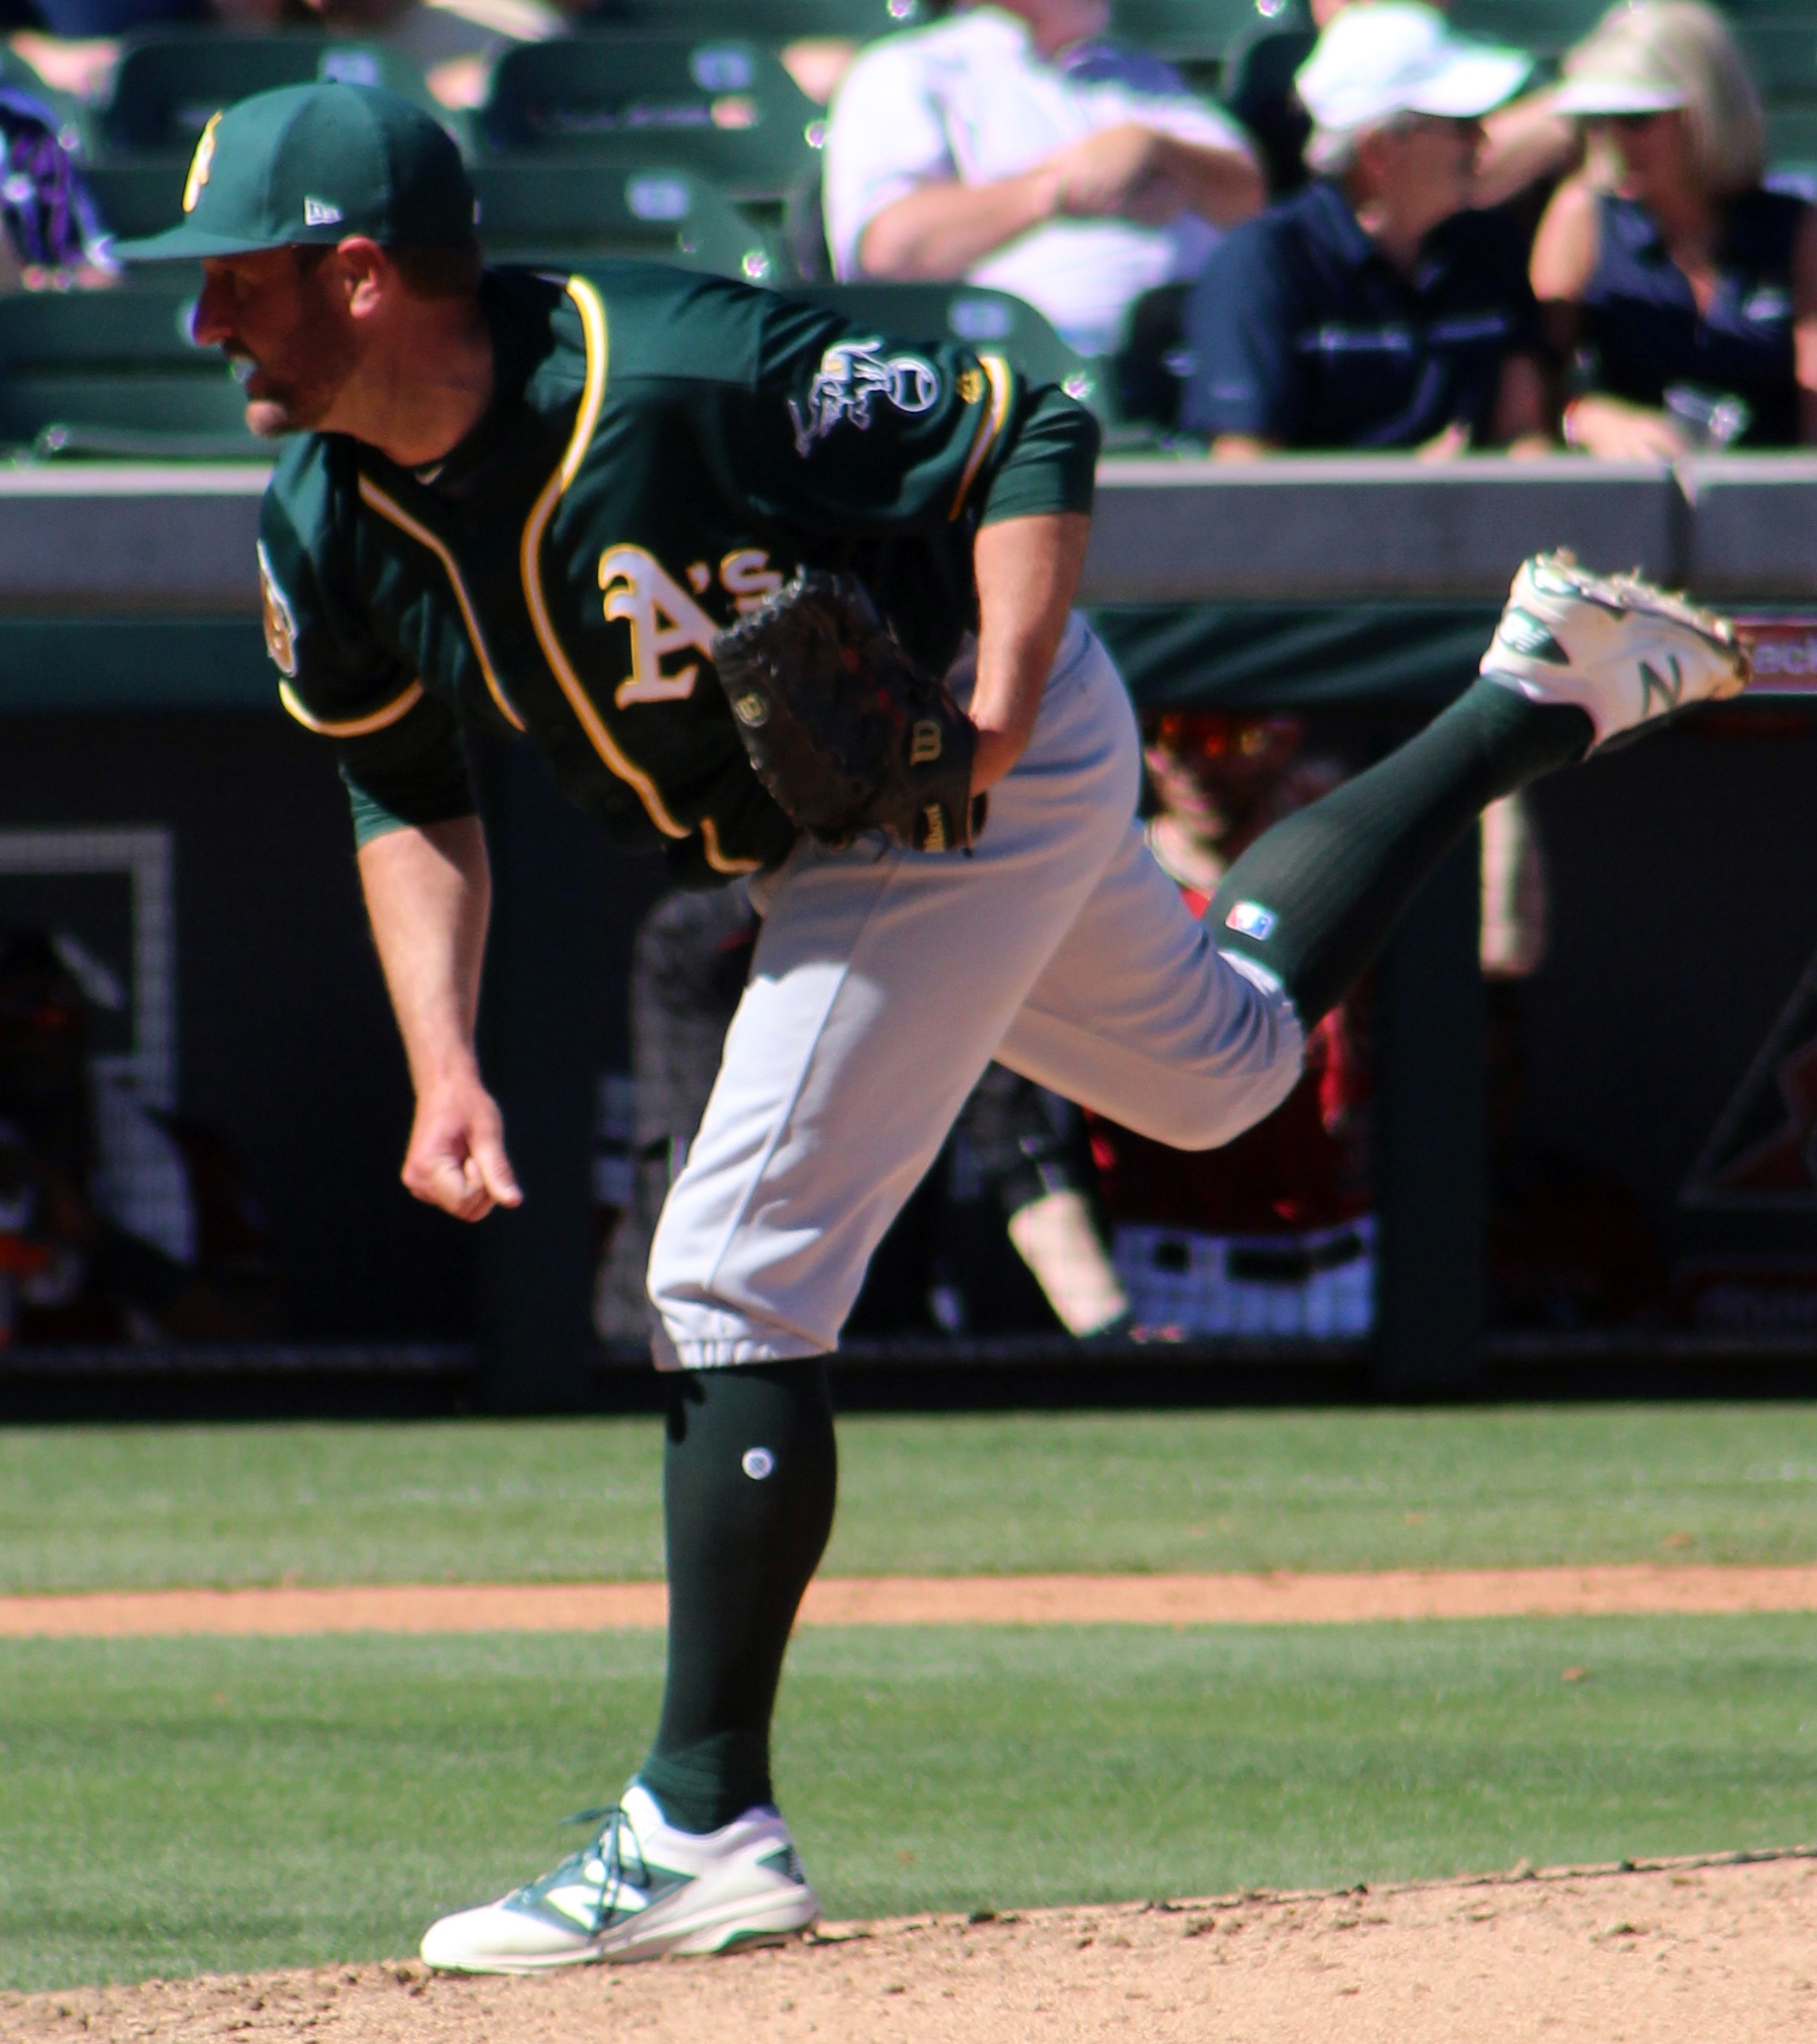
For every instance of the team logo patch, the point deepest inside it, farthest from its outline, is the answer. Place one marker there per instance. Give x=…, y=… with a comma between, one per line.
x=281, y=619
x=200, y=165
x=853, y=378
x=1250, y=919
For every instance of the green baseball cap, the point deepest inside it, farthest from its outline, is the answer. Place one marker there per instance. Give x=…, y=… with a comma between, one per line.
x=316, y=164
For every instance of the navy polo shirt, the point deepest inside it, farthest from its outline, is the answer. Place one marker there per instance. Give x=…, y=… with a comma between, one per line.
x=1303, y=333
x=1646, y=334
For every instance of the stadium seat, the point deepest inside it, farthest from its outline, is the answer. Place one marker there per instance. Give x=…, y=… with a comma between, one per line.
x=115, y=373
x=120, y=330
x=764, y=21
x=552, y=212
x=726, y=109
x=167, y=87
x=1189, y=30
x=182, y=418
x=1782, y=54
x=1545, y=26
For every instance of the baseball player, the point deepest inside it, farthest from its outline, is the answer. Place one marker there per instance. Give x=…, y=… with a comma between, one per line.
x=538, y=504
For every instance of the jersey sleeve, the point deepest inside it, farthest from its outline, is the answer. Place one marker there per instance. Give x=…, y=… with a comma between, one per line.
x=1246, y=371
x=888, y=137
x=847, y=433
x=399, y=749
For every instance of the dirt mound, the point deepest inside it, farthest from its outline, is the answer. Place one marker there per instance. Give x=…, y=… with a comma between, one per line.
x=1680, y=1951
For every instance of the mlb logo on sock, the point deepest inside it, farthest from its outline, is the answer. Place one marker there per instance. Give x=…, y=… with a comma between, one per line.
x=1250, y=919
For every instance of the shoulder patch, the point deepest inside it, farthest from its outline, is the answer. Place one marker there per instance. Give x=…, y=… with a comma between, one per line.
x=852, y=377
x=279, y=618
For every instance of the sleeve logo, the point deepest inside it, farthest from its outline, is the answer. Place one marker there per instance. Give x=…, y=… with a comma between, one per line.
x=854, y=377
x=281, y=619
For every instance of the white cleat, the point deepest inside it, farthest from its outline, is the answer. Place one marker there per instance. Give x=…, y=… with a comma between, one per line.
x=642, y=1890
x=1623, y=652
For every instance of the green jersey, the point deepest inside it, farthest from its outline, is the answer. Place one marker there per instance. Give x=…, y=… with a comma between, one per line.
x=662, y=450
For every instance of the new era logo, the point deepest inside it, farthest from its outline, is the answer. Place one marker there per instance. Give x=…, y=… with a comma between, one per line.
x=318, y=213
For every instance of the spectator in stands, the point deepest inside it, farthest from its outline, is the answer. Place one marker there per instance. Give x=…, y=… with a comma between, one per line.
x=1685, y=289
x=1375, y=309
x=455, y=43
x=1524, y=143
x=1014, y=146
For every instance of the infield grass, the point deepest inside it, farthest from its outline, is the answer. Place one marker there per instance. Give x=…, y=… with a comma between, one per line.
x=178, y=1805
x=109, y=1507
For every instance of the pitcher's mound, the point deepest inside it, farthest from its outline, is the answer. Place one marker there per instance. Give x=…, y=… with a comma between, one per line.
x=1690, y=1951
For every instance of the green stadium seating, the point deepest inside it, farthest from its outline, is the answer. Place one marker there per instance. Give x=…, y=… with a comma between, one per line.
x=88, y=411
x=723, y=108
x=1545, y=26
x=1783, y=55
x=543, y=211
x=167, y=87
x=1189, y=30
x=115, y=373
x=764, y=21
x=147, y=328
x=1791, y=135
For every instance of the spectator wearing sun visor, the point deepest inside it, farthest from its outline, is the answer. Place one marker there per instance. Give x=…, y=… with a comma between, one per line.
x=1682, y=290
x=1375, y=309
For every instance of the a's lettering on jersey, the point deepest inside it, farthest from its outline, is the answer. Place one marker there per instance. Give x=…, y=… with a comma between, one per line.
x=281, y=619
x=854, y=377
x=663, y=619
x=748, y=579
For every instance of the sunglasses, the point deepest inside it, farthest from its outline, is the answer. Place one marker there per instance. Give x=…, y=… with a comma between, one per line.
x=1209, y=738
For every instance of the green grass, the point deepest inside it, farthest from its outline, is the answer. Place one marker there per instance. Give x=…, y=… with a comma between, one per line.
x=175, y=1806
x=126, y=1507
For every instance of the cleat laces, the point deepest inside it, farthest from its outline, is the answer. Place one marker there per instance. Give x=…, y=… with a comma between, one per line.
x=610, y=1868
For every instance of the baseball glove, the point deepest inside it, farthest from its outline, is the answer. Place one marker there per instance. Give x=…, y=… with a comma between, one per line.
x=843, y=729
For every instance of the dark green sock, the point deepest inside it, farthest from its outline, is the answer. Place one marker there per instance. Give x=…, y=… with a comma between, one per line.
x=1322, y=889
x=748, y=1479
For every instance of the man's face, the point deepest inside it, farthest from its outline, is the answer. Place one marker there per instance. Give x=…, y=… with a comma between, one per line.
x=1427, y=165
x=277, y=317
x=1210, y=772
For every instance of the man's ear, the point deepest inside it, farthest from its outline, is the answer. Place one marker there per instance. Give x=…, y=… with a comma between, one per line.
x=367, y=274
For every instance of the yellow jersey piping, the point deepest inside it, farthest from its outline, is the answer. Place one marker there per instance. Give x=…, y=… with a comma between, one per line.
x=353, y=727
x=716, y=859
x=389, y=508
x=592, y=395
x=996, y=371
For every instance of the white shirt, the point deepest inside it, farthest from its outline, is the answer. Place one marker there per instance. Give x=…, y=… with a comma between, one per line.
x=970, y=99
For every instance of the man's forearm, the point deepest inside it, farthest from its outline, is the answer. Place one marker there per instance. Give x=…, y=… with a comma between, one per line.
x=429, y=894
x=942, y=230
x=1222, y=185
x=1028, y=570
